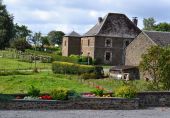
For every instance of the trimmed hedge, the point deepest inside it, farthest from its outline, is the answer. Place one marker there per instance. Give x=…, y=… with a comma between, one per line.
x=72, y=68
x=74, y=59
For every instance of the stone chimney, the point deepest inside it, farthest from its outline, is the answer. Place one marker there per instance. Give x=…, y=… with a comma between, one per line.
x=135, y=20
x=100, y=19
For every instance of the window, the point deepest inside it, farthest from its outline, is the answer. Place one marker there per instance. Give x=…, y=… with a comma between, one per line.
x=108, y=56
x=127, y=43
x=108, y=43
x=88, y=42
x=65, y=43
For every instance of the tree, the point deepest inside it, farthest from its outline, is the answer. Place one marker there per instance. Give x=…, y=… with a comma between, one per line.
x=55, y=37
x=149, y=23
x=156, y=64
x=162, y=27
x=6, y=27
x=21, y=44
x=21, y=31
x=44, y=41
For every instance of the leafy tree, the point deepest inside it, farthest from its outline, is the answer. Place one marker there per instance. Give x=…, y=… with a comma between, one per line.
x=21, y=31
x=156, y=64
x=162, y=27
x=149, y=23
x=55, y=37
x=21, y=44
x=6, y=27
x=44, y=41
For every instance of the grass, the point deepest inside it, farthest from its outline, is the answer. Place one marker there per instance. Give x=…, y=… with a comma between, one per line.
x=112, y=84
x=14, y=64
x=45, y=81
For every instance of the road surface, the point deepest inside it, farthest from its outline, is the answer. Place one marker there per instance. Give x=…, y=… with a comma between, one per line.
x=146, y=113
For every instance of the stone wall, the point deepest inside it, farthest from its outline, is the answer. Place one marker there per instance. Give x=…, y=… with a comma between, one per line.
x=83, y=103
x=136, y=48
x=87, y=44
x=154, y=99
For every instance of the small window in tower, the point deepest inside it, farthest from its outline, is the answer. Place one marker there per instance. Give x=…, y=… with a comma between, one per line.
x=127, y=43
x=65, y=43
x=88, y=42
x=108, y=43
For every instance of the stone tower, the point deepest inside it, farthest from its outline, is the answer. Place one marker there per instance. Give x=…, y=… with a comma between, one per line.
x=71, y=44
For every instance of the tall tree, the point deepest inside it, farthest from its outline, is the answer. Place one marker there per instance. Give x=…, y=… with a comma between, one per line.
x=55, y=37
x=44, y=41
x=6, y=27
x=21, y=31
x=149, y=23
x=156, y=65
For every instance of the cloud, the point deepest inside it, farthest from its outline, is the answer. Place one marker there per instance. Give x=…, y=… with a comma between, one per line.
x=65, y=15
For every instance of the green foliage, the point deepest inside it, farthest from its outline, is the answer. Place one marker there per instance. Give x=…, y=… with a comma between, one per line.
x=156, y=65
x=6, y=27
x=162, y=27
x=86, y=76
x=98, y=91
x=149, y=23
x=126, y=91
x=71, y=68
x=15, y=72
x=34, y=92
x=21, y=44
x=21, y=31
x=55, y=37
x=59, y=94
x=6, y=97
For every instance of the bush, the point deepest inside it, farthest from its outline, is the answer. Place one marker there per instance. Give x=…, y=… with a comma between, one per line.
x=34, y=92
x=86, y=76
x=71, y=68
x=5, y=97
x=126, y=91
x=59, y=94
x=99, y=91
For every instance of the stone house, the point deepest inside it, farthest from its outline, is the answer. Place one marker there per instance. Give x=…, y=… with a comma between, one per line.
x=107, y=40
x=142, y=42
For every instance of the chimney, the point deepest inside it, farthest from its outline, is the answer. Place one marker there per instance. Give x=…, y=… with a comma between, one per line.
x=100, y=19
x=135, y=20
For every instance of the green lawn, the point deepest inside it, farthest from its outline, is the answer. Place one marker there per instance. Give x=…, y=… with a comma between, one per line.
x=14, y=64
x=44, y=81
x=111, y=84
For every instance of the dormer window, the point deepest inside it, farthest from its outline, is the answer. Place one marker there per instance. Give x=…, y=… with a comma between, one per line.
x=108, y=43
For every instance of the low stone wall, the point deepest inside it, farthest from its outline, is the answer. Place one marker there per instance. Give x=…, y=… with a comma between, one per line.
x=83, y=103
x=154, y=99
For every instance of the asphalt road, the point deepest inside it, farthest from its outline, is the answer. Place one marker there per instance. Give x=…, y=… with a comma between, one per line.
x=146, y=113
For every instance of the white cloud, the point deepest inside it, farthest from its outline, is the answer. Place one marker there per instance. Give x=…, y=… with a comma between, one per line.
x=80, y=15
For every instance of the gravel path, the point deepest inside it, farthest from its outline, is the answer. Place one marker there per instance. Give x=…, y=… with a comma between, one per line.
x=146, y=113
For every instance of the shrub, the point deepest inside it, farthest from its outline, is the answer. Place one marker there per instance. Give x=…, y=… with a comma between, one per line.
x=59, y=94
x=99, y=91
x=5, y=97
x=71, y=68
x=126, y=91
x=34, y=92
x=86, y=76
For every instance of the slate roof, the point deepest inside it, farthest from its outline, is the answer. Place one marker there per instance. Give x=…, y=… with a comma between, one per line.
x=114, y=25
x=73, y=34
x=160, y=38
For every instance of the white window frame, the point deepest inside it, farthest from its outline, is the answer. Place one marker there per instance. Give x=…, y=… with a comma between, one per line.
x=110, y=42
x=110, y=60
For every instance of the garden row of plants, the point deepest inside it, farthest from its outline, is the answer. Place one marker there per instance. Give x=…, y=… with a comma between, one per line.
x=86, y=71
x=125, y=91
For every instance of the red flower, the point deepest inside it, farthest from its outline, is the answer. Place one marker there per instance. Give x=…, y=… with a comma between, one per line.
x=46, y=97
x=97, y=87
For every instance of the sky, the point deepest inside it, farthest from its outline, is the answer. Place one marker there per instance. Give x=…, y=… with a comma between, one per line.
x=80, y=15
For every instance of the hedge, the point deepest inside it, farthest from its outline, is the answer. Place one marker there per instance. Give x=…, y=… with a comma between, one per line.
x=72, y=68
